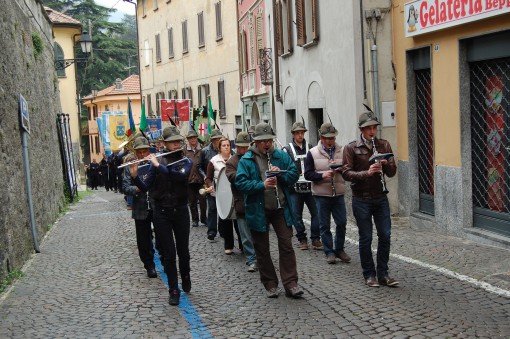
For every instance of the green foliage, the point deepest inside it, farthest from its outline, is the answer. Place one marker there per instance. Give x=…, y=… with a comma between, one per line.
x=114, y=44
x=67, y=193
x=9, y=279
x=38, y=44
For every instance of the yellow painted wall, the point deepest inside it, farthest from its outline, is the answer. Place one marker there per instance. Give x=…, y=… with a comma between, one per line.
x=67, y=85
x=445, y=81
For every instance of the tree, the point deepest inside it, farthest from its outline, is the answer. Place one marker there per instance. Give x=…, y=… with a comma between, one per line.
x=112, y=43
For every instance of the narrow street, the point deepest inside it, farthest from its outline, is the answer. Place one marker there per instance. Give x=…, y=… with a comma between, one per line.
x=88, y=282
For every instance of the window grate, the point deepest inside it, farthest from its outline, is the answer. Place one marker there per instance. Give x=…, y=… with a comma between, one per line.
x=425, y=138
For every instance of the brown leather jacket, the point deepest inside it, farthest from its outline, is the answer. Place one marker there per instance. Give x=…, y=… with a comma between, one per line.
x=356, y=165
x=231, y=171
x=194, y=154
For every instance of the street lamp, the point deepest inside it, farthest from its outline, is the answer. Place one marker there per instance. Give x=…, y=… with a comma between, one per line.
x=86, y=47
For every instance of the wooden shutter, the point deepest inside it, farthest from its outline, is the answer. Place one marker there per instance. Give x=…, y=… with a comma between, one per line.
x=201, y=40
x=170, y=43
x=289, y=27
x=221, y=99
x=259, y=34
x=279, y=27
x=219, y=31
x=300, y=22
x=158, y=49
x=315, y=19
x=185, y=36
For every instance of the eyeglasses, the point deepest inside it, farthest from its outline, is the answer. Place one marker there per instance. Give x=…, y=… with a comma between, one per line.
x=268, y=141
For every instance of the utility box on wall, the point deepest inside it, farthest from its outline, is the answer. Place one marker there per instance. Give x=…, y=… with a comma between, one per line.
x=388, y=117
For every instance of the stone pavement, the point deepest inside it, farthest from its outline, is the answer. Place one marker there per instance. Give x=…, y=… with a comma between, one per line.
x=88, y=282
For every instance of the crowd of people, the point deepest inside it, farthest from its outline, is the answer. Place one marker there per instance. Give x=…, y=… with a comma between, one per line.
x=175, y=188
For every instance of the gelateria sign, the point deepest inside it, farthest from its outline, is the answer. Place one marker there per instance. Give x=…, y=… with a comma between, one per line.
x=424, y=16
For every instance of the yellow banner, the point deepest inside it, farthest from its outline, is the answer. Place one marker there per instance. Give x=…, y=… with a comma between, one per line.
x=117, y=129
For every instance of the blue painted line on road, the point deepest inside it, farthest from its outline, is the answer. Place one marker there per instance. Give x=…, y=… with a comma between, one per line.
x=197, y=328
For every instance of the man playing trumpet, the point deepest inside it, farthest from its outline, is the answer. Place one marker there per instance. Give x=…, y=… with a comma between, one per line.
x=369, y=197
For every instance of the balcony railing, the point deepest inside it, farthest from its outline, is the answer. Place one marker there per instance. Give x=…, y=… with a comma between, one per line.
x=266, y=66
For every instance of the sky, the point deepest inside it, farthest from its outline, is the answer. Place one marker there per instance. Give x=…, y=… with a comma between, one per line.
x=121, y=7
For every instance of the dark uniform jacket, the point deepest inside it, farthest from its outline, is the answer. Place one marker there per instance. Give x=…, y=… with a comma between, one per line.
x=194, y=154
x=356, y=165
x=140, y=199
x=205, y=156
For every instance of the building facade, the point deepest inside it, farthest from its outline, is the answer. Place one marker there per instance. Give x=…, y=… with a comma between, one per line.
x=113, y=98
x=255, y=56
x=331, y=58
x=189, y=50
x=453, y=116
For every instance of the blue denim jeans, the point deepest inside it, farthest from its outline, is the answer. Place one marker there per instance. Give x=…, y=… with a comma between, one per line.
x=298, y=201
x=248, y=250
x=364, y=210
x=332, y=206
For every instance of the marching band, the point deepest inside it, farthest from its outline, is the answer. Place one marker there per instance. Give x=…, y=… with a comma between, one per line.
x=168, y=181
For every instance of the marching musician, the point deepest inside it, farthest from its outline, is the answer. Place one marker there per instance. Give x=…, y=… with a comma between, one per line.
x=214, y=167
x=265, y=199
x=195, y=181
x=205, y=156
x=141, y=211
x=301, y=194
x=242, y=143
x=369, y=199
x=322, y=168
x=168, y=190
x=94, y=174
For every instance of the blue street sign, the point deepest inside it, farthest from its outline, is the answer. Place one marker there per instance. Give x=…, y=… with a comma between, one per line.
x=23, y=114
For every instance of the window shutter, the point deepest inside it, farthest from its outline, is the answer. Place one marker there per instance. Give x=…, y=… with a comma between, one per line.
x=98, y=147
x=289, y=27
x=300, y=22
x=201, y=40
x=245, y=52
x=149, y=105
x=279, y=27
x=190, y=97
x=158, y=49
x=170, y=43
x=59, y=55
x=199, y=95
x=158, y=107
x=315, y=19
x=206, y=91
x=185, y=37
x=221, y=97
x=260, y=34
x=219, y=32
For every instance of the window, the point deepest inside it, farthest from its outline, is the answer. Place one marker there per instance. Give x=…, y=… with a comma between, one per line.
x=259, y=34
x=170, y=43
x=284, y=24
x=219, y=32
x=98, y=147
x=146, y=53
x=155, y=3
x=159, y=96
x=59, y=55
x=221, y=99
x=149, y=104
x=144, y=7
x=96, y=113
x=172, y=94
x=307, y=27
x=201, y=34
x=106, y=108
x=185, y=36
x=244, y=52
x=203, y=93
x=158, y=49
x=187, y=94
x=91, y=143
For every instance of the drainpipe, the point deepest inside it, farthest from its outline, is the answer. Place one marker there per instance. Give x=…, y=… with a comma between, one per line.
x=375, y=74
x=276, y=75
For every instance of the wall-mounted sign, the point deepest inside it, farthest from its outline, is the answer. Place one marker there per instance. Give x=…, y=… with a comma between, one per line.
x=24, y=119
x=424, y=16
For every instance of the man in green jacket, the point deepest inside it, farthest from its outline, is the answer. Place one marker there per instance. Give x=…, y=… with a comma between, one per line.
x=265, y=198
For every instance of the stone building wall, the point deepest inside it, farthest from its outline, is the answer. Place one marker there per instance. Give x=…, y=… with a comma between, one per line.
x=29, y=73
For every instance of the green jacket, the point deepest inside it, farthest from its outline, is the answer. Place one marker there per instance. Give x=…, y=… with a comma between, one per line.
x=249, y=181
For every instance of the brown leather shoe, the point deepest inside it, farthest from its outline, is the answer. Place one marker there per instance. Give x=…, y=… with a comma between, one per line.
x=387, y=281
x=303, y=245
x=343, y=257
x=371, y=282
x=331, y=259
x=316, y=244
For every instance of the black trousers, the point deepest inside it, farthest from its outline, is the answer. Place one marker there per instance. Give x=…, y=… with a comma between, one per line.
x=172, y=229
x=144, y=241
x=193, y=197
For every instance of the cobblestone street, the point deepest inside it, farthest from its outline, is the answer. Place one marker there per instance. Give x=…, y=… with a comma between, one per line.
x=88, y=282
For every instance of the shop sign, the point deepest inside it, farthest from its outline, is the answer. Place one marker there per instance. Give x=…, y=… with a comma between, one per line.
x=424, y=16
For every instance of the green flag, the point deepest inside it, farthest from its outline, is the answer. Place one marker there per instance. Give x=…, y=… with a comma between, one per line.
x=209, y=115
x=143, y=118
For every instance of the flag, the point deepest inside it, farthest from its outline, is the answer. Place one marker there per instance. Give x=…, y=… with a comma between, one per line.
x=209, y=114
x=132, y=128
x=143, y=118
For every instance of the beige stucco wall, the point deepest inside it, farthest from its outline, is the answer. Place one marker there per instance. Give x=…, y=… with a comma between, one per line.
x=218, y=60
x=67, y=85
x=445, y=81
